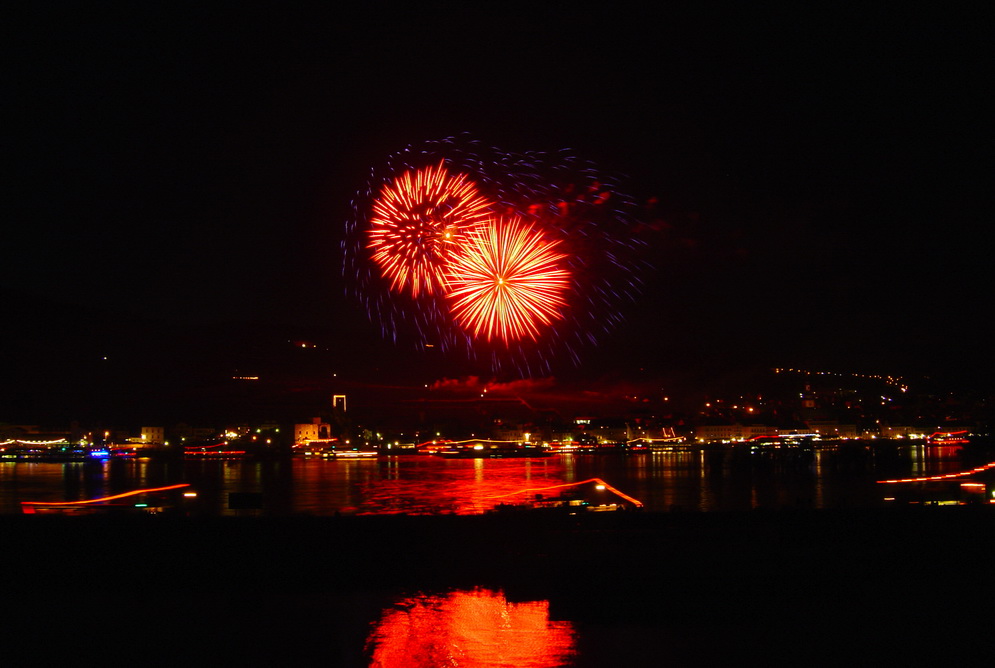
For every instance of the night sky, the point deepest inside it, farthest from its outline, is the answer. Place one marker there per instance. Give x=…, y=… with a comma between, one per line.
x=178, y=174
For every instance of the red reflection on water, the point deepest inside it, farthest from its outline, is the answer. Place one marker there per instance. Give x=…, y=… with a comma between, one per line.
x=453, y=486
x=469, y=628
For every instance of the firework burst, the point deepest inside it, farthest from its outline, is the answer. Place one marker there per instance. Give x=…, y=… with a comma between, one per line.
x=507, y=282
x=416, y=222
x=399, y=261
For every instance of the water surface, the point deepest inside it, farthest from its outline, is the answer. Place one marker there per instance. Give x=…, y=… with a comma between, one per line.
x=697, y=481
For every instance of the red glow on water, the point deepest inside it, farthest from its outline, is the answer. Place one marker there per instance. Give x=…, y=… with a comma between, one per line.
x=431, y=486
x=416, y=485
x=472, y=629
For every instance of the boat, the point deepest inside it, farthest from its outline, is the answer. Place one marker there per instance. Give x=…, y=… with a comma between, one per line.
x=492, y=450
x=351, y=454
x=941, y=438
x=60, y=450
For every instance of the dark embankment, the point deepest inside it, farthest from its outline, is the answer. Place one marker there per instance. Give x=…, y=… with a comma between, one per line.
x=773, y=588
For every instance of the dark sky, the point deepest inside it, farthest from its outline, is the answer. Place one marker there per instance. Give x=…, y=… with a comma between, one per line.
x=825, y=176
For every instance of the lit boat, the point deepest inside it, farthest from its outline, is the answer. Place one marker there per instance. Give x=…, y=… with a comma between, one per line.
x=481, y=449
x=350, y=454
x=949, y=438
x=50, y=451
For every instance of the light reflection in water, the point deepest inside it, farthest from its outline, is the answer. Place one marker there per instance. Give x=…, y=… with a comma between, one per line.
x=569, y=468
x=819, y=496
x=918, y=465
x=474, y=629
x=431, y=485
x=701, y=480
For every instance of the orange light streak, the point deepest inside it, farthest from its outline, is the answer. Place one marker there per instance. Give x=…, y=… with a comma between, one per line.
x=105, y=498
x=203, y=447
x=947, y=476
x=599, y=481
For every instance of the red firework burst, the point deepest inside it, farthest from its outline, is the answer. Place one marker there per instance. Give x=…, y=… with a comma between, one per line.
x=417, y=221
x=507, y=281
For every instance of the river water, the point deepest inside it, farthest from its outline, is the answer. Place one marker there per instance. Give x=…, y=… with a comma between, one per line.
x=764, y=591
x=703, y=480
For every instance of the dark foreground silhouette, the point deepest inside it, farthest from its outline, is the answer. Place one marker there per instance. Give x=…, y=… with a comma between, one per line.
x=685, y=589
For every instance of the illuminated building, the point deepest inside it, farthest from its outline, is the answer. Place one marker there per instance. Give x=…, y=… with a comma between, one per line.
x=733, y=432
x=900, y=431
x=153, y=435
x=316, y=430
x=602, y=430
x=510, y=432
x=832, y=429
x=185, y=433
